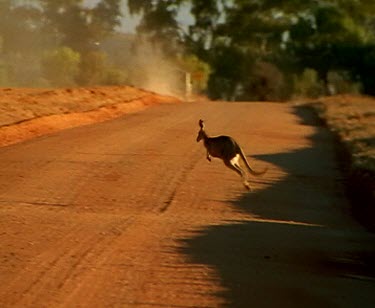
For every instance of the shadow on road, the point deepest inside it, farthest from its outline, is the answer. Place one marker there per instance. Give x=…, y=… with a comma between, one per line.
x=300, y=249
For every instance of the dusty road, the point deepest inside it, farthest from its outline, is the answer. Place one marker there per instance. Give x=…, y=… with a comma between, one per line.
x=129, y=213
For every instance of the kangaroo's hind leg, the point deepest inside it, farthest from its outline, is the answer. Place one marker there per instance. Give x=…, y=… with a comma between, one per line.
x=233, y=164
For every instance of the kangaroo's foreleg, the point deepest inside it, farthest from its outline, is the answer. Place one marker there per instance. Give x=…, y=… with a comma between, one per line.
x=208, y=156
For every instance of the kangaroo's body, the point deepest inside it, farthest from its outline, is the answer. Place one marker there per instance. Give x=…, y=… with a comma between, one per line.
x=227, y=149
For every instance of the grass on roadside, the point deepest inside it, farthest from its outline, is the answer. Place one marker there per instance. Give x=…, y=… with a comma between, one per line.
x=352, y=119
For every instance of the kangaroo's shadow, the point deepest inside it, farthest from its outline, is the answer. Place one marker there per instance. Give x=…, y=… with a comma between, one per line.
x=273, y=258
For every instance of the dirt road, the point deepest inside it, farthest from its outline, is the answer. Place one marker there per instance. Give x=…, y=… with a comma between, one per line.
x=129, y=213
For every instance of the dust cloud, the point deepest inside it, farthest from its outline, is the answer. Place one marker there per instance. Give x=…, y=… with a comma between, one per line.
x=152, y=70
x=117, y=59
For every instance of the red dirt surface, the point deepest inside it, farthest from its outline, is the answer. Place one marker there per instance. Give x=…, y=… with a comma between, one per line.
x=129, y=213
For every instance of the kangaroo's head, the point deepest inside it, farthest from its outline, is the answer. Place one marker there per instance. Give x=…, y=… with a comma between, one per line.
x=201, y=133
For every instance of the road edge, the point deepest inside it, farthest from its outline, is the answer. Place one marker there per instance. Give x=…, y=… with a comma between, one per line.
x=359, y=182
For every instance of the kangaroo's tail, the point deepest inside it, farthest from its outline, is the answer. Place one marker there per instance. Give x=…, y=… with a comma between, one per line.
x=253, y=172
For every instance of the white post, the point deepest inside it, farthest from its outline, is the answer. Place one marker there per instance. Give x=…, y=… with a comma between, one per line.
x=188, y=86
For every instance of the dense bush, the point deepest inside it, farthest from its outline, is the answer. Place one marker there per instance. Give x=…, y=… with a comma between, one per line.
x=199, y=70
x=61, y=66
x=95, y=69
x=266, y=83
x=308, y=84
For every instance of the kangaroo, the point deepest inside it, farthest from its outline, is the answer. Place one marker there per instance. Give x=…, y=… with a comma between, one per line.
x=227, y=149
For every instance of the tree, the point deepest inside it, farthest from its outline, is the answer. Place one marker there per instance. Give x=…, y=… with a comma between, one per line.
x=158, y=24
x=291, y=35
x=92, y=69
x=229, y=65
x=19, y=28
x=61, y=66
x=324, y=39
x=77, y=26
x=207, y=15
x=307, y=84
x=21, y=42
x=235, y=38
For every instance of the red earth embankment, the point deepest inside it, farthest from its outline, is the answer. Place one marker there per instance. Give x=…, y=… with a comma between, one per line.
x=27, y=113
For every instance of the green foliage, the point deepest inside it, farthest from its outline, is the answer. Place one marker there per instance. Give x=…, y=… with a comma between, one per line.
x=3, y=76
x=199, y=70
x=340, y=82
x=308, y=84
x=95, y=69
x=92, y=69
x=115, y=76
x=296, y=35
x=207, y=15
x=229, y=66
x=61, y=66
x=361, y=65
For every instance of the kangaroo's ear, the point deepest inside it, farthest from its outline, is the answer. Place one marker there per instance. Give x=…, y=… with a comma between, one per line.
x=201, y=124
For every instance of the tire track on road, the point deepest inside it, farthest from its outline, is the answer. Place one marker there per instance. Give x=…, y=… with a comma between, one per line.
x=48, y=274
